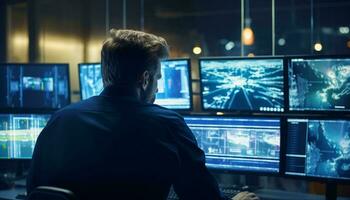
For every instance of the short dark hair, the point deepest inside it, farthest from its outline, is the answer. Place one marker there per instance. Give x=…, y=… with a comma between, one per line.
x=126, y=54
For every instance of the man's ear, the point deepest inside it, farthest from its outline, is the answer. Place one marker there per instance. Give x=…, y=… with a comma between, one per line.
x=144, y=79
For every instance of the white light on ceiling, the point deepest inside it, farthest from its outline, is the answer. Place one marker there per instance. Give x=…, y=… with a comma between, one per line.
x=230, y=45
x=197, y=50
x=281, y=42
x=318, y=46
x=344, y=30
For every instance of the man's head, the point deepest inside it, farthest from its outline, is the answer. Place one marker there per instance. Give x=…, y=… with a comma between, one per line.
x=131, y=59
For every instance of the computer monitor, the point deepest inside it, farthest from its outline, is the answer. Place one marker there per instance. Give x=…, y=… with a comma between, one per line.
x=319, y=84
x=242, y=84
x=238, y=143
x=18, y=134
x=42, y=86
x=90, y=79
x=173, y=88
x=318, y=148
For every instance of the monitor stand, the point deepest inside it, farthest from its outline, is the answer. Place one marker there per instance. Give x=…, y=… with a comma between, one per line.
x=331, y=191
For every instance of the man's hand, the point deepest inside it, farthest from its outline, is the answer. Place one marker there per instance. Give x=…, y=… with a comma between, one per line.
x=245, y=196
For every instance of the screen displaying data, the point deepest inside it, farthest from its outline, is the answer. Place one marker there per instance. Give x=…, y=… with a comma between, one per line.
x=90, y=80
x=242, y=84
x=319, y=84
x=173, y=87
x=18, y=134
x=318, y=148
x=34, y=86
x=241, y=144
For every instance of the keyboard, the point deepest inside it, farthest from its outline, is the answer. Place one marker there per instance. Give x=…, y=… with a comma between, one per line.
x=230, y=190
x=227, y=190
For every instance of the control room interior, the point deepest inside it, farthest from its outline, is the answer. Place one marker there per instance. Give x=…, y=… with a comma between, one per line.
x=256, y=81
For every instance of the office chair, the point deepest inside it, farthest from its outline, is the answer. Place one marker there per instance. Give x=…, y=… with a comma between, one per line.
x=51, y=193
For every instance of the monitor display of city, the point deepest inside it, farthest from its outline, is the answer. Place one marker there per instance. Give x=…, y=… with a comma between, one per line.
x=318, y=148
x=242, y=84
x=319, y=84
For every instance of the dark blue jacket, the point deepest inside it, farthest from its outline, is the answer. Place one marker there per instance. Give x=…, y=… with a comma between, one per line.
x=110, y=147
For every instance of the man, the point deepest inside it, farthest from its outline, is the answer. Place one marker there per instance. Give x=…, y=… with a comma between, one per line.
x=119, y=145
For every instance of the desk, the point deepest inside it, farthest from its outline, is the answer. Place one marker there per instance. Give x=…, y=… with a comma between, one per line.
x=10, y=194
x=270, y=194
x=264, y=194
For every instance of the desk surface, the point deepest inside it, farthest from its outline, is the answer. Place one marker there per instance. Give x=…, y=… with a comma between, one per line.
x=10, y=194
x=264, y=194
x=270, y=194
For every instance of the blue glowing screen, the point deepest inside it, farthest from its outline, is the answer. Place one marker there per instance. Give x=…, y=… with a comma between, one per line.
x=243, y=84
x=319, y=84
x=173, y=87
x=242, y=144
x=318, y=148
x=90, y=80
x=34, y=86
x=18, y=134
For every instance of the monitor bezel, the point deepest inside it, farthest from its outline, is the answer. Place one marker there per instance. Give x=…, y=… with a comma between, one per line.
x=248, y=172
x=43, y=109
x=188, y=60
x=242, y=111
x=308, y=177
x=287, y=94
x=25, y=112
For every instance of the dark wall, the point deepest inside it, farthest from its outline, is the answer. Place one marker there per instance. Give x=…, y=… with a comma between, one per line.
x=3, y=40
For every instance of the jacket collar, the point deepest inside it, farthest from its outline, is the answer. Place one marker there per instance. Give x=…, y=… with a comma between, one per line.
x=119, y=92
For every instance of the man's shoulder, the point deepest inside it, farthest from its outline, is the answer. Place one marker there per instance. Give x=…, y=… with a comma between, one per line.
x=154, y=110
x=93, y=104
x=75, y=108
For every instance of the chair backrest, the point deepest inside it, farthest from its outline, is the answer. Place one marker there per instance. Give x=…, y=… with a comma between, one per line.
x=51, y=193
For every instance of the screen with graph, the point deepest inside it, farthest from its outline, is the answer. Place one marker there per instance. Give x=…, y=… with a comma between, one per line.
x=241, y=144
x=18, y=134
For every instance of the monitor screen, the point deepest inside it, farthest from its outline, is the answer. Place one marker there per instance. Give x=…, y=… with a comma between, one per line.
x=242, y=84
x=319, y=84
x=173, y=87
x=318, y=148
x=90, y=79
x=18, y=133
x=34, y=86
x=241, y=144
